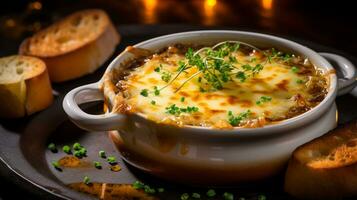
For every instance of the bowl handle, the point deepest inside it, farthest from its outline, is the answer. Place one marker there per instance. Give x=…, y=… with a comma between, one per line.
x=90, y=93
x=348, y=81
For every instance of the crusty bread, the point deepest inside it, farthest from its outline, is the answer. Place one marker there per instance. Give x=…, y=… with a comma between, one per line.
x=25, y=87
x=74, y=46
x=325, y=168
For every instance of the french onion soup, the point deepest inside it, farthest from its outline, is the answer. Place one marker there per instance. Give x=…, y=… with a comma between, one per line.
x=230, y=84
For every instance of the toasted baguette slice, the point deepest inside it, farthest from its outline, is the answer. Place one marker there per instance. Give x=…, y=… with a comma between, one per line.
x=25, y=87
x=74, y=46
x=325, y=168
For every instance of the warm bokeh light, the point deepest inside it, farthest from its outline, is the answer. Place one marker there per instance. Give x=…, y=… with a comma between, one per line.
x=10, y=23
x=150, y=11
x=267, y=4
x=209, y=11
x=35, y=5
x=267, y=12
x=210, y=3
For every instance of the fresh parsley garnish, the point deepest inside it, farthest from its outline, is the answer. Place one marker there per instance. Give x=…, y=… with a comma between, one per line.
x=56, y=165
x=144, y=92
x=228, y=196
x=101, y=154
x=66, y=149
x=278, y=55
x=86, y=180
x=111, y=160
x=98, y=165
x=241, y=76
x=52, y=147
x=166, y=76
x=138, y=185
x=158, y=69
x=294, y=69
x=175, y=110
x=236, y=120
x=156, y=91
x=182, y=99
x=299, y=81
x=263, y=99
x=196, y=195
x=211, y=193
x=149, y=190
x=185, y=196
x=217, y=65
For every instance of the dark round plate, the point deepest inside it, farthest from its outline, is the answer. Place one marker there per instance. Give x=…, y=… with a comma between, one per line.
x=27, y=162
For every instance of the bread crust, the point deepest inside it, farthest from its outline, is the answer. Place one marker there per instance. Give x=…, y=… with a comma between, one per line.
x=39, y=93
x=317, y=171
x=80, y=59
x=65, y=35
x=28, y=95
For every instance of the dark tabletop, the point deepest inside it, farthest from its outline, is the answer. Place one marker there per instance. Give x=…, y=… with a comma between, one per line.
x=329, y=23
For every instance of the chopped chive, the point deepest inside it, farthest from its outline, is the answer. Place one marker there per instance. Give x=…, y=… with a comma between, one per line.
x=263, y=99
x=185, y=196
x=202, y=89
x=196, y=195
x=294, y=69
x=153, y=102
x=102, y=154
x=299, y=81
x=211, y=193
x=138, y=185
x=166, y=76
x=157, y=69
x=149, y=190
x=174, y=110
x=78, y=154
x=83, y=151
x=160, y=190
x=182, y=99
x=232, y=59
x=144, y=92
x=111, y=160
x=228, y=196
x=56, y=165
x=97, y=165
x=262, y=197
x=66, y=149
x=86, y=180
x=156, y=91
x=77, y=146
x=235, y=120
x=52, y=147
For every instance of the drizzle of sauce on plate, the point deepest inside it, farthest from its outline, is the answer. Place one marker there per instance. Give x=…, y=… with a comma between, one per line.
x=110, y=191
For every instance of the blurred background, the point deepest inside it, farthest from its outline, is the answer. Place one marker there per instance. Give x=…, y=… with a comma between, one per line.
x=330, y=23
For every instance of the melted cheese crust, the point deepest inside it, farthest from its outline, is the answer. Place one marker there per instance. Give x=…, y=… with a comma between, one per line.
x=289, y=96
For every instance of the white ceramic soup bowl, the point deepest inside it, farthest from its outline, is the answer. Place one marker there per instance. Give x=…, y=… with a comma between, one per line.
x=198, y=155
